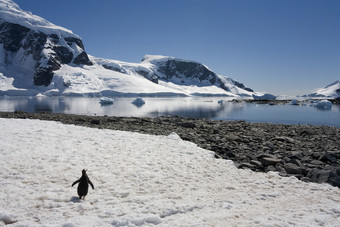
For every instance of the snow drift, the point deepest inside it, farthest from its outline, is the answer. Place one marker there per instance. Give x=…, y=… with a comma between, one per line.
x=143, y=180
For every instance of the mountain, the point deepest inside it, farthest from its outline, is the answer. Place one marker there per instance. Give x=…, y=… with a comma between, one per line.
x=188, y=77
x=37, y=56
x=332, y=91
x=31, y=48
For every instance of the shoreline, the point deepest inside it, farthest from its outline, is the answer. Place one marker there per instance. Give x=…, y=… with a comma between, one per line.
x=310, y=153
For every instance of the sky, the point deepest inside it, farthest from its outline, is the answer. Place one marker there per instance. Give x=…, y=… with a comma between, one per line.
x=283, y=47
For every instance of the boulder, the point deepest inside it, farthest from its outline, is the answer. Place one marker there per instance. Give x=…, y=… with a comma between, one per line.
x=266, y=161
x=331, y=176
x=292, y=168
x=328, y=158
x=256, y=163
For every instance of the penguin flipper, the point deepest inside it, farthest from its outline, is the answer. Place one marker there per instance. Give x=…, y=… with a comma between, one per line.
x=91, y=184
x=77, y=181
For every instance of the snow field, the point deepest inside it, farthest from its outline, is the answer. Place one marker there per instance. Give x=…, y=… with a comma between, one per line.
x=142, y=180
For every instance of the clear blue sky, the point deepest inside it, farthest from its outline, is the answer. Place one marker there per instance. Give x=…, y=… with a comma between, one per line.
x=276, y=46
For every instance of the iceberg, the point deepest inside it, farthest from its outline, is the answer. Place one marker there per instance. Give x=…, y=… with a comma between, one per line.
x=106, y=101
x=325, y=104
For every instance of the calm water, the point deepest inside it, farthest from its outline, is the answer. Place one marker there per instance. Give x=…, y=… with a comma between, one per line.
x=196, y=107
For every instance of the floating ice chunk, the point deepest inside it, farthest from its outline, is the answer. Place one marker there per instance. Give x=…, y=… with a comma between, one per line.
x=323, y=104
x=106, y=101
x=294, y=102
x=40, y=95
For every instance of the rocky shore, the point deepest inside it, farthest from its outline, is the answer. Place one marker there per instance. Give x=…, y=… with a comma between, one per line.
x=310, y=153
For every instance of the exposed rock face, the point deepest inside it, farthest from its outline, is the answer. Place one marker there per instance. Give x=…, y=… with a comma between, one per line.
x=180, y=71
x=158, y=68
x=38, y=52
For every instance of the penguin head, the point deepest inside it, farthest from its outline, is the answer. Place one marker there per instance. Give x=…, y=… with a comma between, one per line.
x=84, y=171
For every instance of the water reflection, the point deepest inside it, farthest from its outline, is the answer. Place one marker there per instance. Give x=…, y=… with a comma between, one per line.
x=194, y=107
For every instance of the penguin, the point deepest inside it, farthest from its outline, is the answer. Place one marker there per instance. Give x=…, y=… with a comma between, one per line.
x=83, y=185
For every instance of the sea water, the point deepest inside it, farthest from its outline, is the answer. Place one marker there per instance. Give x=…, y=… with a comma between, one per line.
x=193, y=107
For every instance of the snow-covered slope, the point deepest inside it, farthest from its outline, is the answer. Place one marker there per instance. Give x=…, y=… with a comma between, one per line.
x=178, y=75
x=11, y=13
x=143, y=180
x=37, y=56
x=332, y=91
x=32, y=49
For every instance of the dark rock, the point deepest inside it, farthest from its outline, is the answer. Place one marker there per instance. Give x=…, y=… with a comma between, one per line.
x=64, y=55
x=284, y=139
x=296, y=155
x=270, y=161
x=280, y=169
x=187, y=124
x=328, y=158
x=82, y=59
x=43, y=76
x=266, y=155
x=95, y=121
x=228, y=154
x=325, y=175
x=71, y=40
x=296, y=162
x=317, y=163
x=269, y=145
x=246, y=165
x=305, y=179
x=256, y=163
x=286, y=159
x=270, y=168
x=11, y=36
x=292, y=168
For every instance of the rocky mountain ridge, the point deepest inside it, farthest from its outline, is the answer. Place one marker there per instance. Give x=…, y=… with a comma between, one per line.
x=37, y=56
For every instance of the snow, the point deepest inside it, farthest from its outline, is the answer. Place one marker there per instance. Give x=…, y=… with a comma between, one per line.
x=143, y=180
x=188, y=88
x=10, y=12
x=332, y=90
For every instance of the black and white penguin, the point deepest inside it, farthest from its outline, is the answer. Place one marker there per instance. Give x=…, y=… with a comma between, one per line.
x=83, y=185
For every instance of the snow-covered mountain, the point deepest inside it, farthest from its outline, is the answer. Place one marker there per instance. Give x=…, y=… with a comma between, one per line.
x=37, y=56
x=177, y=75
x=332, y=91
